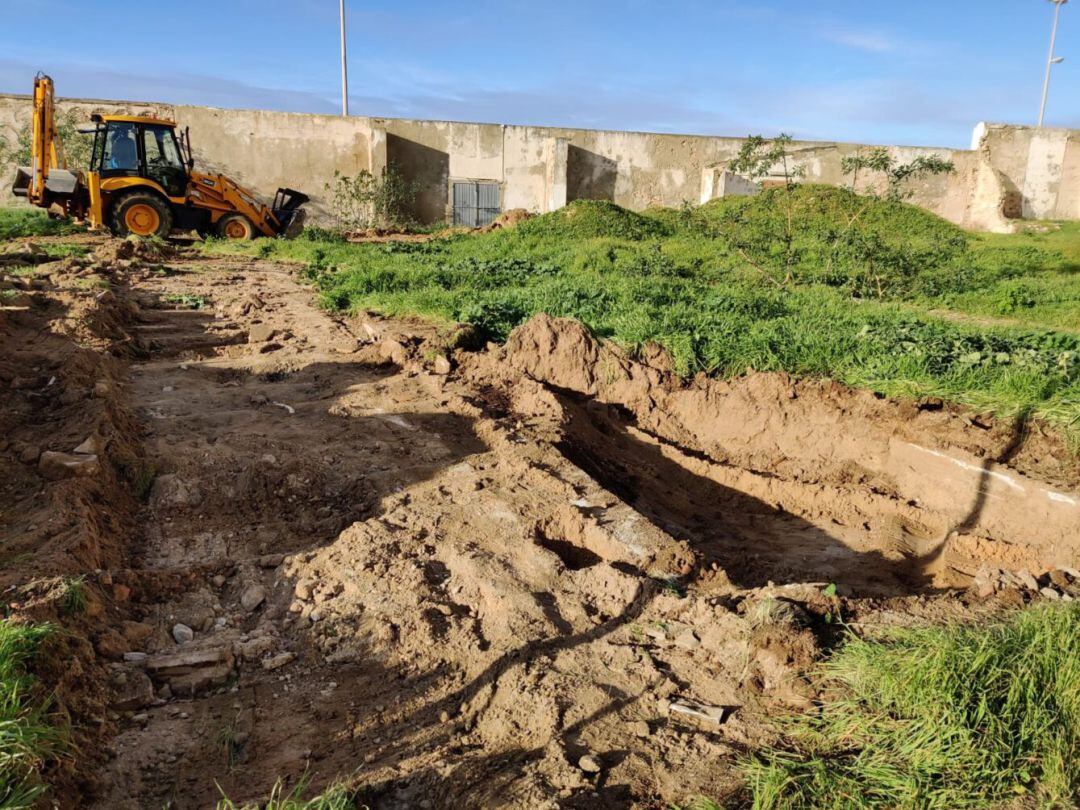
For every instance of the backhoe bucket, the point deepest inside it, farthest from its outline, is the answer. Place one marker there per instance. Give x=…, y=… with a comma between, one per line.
x=23, y=176
x=293, y=223
x=58, y=182
x=288, y=212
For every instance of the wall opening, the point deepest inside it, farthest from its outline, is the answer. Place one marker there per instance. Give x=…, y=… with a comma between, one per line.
x=476, y=203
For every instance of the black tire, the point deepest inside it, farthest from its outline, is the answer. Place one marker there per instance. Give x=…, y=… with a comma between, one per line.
x=133, y=207
x=236, y=226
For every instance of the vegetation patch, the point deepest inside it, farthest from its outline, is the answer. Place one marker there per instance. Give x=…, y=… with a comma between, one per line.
x=956, y=716
x=336, y=797
x=27, y=739
x=19, y=221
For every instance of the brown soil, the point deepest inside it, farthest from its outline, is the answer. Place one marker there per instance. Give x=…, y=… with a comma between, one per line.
x=465, y=580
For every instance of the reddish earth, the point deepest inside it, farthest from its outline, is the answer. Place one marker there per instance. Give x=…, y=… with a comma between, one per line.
x=538, y=575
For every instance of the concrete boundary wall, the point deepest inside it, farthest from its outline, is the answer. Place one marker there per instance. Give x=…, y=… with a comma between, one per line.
x=1010, y=171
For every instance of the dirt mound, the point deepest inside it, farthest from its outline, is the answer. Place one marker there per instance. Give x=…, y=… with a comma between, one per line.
x=588, y=219
x=977, y=482
x=509, y=219
x=134, y=249
x=68, y=464
x=829, y=210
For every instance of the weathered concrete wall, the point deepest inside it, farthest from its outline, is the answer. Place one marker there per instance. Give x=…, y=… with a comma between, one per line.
x=1042, y=165
x=266, y=150
x=1034, y=172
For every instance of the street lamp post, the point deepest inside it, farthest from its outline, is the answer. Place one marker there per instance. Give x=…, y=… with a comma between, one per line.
x=1051, y=60
x=345, y=71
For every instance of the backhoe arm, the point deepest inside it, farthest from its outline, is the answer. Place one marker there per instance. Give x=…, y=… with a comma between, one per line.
x=45, y=153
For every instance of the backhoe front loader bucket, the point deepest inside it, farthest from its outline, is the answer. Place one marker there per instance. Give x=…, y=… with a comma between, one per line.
x=287, y=210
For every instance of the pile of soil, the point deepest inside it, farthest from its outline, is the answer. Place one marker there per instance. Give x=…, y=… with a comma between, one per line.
x=508, y=219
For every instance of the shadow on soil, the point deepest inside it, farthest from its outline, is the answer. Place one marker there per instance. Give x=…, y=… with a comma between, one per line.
x=752, y=541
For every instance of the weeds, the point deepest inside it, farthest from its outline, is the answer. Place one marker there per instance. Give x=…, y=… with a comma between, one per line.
x=140, y=476
x=939, y=717
x=335, y=797
x=74, y=599
x=231, y=748
x=897, y=175
x=27, y=740
x=185, y=300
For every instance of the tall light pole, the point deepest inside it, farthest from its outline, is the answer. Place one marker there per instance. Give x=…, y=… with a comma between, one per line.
x=1051, y=60
x=345, y=70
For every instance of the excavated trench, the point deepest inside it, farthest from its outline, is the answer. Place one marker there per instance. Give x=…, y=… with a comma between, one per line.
x=327, y=556
x=724, y=516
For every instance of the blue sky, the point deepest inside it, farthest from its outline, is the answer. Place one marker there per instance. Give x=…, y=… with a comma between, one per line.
x=906, y=71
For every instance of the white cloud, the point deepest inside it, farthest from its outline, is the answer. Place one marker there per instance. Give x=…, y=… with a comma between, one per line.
x=869, y=41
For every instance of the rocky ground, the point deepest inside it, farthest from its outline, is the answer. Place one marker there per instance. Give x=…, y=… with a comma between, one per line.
x=539, y=575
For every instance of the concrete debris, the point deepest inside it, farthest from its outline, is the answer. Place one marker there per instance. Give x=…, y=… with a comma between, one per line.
x=132, y=689
x=92, y=446
x=56, y=466
x=699, y=711
x=1055, y=584
x=191, y=671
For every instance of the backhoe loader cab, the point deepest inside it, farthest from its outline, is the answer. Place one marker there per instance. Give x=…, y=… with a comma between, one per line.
x=141, y=180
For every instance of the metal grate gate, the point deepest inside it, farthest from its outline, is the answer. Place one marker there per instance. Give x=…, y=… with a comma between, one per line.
x=475, y=204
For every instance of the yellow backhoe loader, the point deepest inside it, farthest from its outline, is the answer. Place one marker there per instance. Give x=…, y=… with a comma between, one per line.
x=141, y=180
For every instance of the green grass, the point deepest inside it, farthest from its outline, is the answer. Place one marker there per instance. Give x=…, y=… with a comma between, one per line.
x=823, y=283
x=27, y=740
x=335, y=797
x=977, y=715
x=74, y=599
x=20, y=221
x=185, y=300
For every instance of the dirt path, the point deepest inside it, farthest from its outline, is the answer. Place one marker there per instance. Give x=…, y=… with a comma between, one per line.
x=373, y=564
x=538, y=576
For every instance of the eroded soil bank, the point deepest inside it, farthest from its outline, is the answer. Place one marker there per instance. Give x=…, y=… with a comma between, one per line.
x=538, y=575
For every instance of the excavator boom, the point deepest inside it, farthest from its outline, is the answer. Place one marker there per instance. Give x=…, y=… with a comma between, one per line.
x=47, y=173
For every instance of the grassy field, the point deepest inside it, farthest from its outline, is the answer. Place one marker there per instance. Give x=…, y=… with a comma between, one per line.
x=879, y=295
x=984, y=715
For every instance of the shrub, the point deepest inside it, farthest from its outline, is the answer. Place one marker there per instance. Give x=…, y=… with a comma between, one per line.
x=366, y=201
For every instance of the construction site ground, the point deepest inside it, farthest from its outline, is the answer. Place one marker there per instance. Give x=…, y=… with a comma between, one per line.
x=540, y=574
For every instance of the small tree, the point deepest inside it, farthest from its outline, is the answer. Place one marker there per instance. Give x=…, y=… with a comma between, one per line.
x=74, y=145
x=758, y=158
x=366, y=201
x=879, y=160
